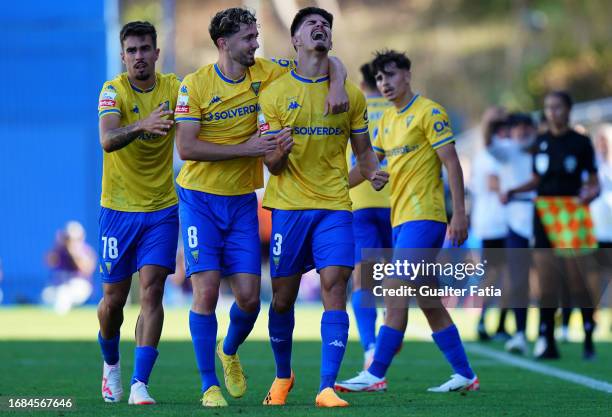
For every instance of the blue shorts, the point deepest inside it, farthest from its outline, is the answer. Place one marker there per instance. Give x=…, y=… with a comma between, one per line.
x=128, y=241
x=306, y=239
x=220, y=233
x=372, y=229
x=419, y=234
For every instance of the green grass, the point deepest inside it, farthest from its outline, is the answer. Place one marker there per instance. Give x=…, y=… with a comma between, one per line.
x=71, y=367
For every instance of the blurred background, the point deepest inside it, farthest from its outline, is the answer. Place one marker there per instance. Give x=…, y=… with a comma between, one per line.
x=467, y=55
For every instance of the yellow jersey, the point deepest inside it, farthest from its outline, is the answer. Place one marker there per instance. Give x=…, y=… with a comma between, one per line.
x=139, y=177
x=408, y=139
x=227, y=113
x=363, y=195
x=316, y=176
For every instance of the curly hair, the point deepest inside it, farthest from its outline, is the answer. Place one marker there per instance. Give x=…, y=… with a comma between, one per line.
x=389, y=56
x=227, y=22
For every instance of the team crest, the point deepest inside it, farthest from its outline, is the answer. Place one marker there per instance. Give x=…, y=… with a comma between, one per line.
x=570, y=163
x=255, y=87
x=409, y=120
x=276, y=260
x=541, y=163
x=196, y=255
x=108, y=266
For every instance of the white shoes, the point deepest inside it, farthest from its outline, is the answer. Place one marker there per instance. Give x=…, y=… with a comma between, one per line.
x=139, y=395
x=363, y=382
x=518, y=344
x=458, y=383
x=112, y=390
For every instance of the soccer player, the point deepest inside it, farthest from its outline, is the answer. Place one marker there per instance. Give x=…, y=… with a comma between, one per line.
x=139, y=216
x=416, y=138
x=371, y=222
x=309, y=198
x=217, y=135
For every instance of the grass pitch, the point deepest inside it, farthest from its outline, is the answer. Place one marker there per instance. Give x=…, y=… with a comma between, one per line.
x=70, y=366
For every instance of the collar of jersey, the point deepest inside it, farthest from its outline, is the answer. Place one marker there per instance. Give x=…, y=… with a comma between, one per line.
x=309, y=80
x=148, y=90
x=228, y=80
x=407, y=106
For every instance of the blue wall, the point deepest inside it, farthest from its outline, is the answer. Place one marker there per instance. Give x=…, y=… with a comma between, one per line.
x=53, y=65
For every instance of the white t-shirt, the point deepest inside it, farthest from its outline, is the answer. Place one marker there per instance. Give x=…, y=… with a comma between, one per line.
x=601, y=207
x=488, y=214
x=515, y=168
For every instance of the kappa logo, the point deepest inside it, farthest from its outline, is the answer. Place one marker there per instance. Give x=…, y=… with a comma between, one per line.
x=337, y=343
x=276, y=339
x=215, y=99
x=435, y=111
x=294, y=105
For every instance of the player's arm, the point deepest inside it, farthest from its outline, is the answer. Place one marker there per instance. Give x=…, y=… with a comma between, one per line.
x=367, y=163
x=457, y=229
x=191, y=148
x=530, y=185
x=337, y=100
x=276, y=160
x=113, y=136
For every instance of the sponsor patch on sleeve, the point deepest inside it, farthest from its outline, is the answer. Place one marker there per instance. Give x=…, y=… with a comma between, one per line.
x=105, y=102
x=264, y=126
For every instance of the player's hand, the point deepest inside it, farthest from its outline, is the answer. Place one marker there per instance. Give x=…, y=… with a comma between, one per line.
x=457, y=230
x=284, y=141
x=336, y=102
x=504, y=198
x=587, y=194
x=379, y=179
x=259, y=145
x=155, y=122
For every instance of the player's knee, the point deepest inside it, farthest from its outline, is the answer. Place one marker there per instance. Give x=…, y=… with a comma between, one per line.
x=114, y=302
x=281, y=304
x=205, y=298
x=249, y=303
x=335, y=290
x=151, y=296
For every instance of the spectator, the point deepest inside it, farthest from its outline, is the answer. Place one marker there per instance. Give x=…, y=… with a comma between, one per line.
x=488, y=219
x=515, y=162
x=72, y=262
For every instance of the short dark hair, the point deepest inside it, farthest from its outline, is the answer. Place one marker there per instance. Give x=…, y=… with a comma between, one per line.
x=227, y=22
x=139, y=29
x=367, y=73
x=388, y=56
x=518, y=118
x=307, y=11
x=564, y=96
